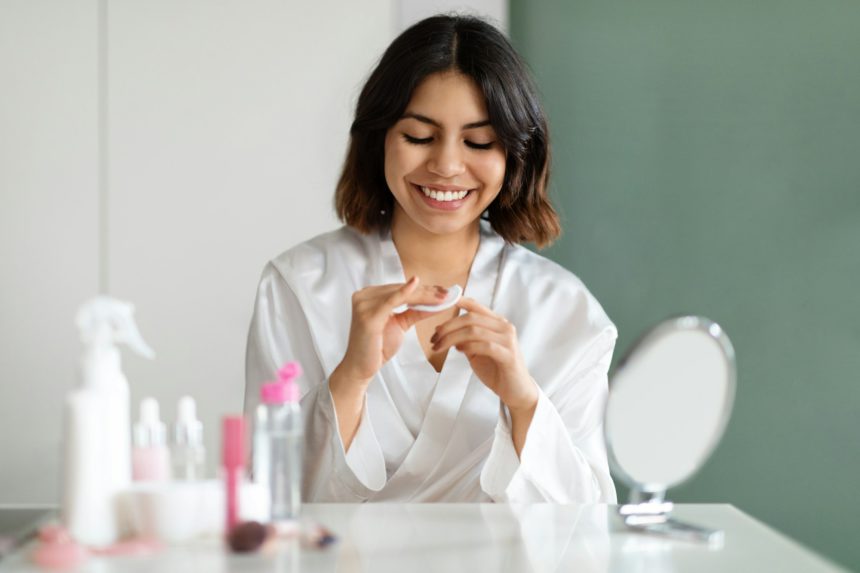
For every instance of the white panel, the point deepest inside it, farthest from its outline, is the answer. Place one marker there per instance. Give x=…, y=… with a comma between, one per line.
x=228, y=126
x=410, y=11
x=48, y=228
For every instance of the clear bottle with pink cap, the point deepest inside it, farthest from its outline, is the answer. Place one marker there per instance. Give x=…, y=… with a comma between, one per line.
x=277, y=453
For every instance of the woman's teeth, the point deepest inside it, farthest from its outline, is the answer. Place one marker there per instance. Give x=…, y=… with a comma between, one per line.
x=444, y=195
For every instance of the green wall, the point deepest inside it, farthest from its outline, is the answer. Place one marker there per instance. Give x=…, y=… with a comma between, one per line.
x=707, y=160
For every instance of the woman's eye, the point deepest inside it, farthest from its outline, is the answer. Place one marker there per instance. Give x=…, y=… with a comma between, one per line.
x=474, y=145
x=426, y=140
x=417, y=140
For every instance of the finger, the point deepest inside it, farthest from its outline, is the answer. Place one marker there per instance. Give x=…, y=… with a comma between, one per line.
x=428, y=294
x=472, y=305
x=494, y=323
x=409, y=294
x=483, y=348
x=425, y=295
x=410, y=317
x=375, y=291
x=471, y=333
x=400, y=295
x=373, y=306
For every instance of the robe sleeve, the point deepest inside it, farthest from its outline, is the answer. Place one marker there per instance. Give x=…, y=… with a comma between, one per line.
x=563, y=459
x=279, y=332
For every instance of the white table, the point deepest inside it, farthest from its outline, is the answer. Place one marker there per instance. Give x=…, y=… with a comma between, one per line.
x=411, y=538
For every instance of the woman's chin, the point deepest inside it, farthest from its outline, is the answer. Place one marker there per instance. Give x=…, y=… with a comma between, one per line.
x=450, y=227
x=436, y=222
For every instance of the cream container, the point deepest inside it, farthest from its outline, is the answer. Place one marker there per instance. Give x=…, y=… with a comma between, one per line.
x=180, y=511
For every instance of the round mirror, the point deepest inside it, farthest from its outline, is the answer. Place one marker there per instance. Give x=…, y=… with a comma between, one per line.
x=670, y=399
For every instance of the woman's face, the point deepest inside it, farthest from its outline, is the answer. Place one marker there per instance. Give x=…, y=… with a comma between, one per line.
x=443, y=162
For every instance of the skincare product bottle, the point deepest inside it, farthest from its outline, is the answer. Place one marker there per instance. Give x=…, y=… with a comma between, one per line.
x=278, y=444
x=97, y=445
x=233, y=466
x=150, y=459
x=187, y=453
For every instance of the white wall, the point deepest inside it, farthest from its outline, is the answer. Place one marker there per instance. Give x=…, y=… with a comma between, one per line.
x=226, y=125
x=48, y=227
x=226, y=138
x=410, y=11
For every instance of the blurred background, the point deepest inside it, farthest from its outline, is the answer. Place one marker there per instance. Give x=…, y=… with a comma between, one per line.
x=707, y=160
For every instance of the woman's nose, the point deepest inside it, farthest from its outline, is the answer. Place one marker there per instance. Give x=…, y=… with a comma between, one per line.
x=446, y=160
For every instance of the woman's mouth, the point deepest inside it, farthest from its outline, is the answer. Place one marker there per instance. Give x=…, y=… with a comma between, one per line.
x=443, y=200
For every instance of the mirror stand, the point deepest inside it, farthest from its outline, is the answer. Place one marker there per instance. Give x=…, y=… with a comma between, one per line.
x=649, y=512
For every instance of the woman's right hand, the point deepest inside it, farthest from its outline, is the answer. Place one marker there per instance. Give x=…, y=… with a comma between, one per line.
x=376, y=333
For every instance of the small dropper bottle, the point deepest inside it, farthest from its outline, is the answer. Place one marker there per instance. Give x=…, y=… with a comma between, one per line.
x=150, y=460
x=188, y=453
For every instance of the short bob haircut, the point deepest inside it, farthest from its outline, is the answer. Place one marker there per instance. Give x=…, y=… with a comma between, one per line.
x=522, y=211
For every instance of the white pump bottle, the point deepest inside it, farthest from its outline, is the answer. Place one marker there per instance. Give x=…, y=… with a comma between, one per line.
x=97, y=436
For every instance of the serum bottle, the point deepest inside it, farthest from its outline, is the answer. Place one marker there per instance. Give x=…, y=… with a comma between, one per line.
x=150, y=459
x=188, y=453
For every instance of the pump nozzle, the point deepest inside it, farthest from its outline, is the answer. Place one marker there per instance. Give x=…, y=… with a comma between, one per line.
x=284, y=389
x=289, y=371
x=105, y=320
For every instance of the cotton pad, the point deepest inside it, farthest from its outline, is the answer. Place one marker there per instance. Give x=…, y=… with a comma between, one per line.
x=454, y=294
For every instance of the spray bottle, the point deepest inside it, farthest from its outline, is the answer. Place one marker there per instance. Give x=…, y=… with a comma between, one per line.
x=97, y=436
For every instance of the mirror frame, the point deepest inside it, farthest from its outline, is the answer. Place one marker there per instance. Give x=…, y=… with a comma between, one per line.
x=649, y=338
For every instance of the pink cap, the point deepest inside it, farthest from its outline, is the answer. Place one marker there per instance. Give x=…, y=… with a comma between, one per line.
x=233, y=441
x=284, y=389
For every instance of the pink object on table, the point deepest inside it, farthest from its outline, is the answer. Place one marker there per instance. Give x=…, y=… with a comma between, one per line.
x=233, y=461
x=60, y=555
x=57, y=549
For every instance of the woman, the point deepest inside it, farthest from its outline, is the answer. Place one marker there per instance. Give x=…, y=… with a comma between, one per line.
x=497, y=399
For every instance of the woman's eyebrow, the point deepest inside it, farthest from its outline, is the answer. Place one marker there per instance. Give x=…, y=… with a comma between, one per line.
x=433, y=122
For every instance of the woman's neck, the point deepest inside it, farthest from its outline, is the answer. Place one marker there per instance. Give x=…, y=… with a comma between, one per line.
x=437, y=259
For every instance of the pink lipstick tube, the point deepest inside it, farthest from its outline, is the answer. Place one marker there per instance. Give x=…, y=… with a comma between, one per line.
x=233, y=463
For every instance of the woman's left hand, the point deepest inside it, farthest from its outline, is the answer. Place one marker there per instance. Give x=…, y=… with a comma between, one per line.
x=490, y=343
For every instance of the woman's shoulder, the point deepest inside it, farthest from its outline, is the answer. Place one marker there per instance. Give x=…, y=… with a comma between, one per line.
x=535, y=271
x=546, y=284
x=324, y=252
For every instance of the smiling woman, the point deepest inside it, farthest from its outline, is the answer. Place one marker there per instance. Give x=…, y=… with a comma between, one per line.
x=445, y=175
x=503, y=116
x=444, y=172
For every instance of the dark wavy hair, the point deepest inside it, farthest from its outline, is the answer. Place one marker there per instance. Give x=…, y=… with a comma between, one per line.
x=522, y=211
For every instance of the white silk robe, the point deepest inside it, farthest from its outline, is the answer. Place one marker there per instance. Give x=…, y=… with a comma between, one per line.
x=428, y=436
